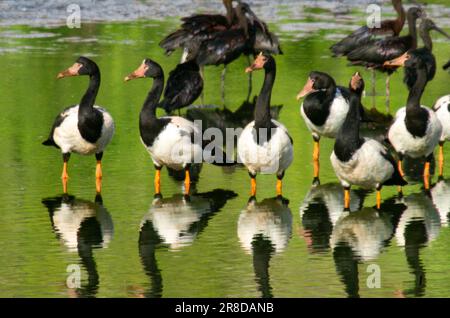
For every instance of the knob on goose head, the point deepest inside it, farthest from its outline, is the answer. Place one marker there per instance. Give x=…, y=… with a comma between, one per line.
x=82, y=66
x=148, y=68
x=316, y=81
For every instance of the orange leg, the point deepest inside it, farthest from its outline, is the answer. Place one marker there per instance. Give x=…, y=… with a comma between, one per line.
x=316, y=156
x=402, y=173
x=65, y=175
x=187, y=181
x=279, y=187
x=441, y=159
x=400, y=168
x=347, y=198
x=98, y=176
x=426, y=176
x=253, y=186
x=158, y=181
x=378, y=198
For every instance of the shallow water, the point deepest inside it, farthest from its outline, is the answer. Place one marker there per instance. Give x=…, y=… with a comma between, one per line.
x=218, y=244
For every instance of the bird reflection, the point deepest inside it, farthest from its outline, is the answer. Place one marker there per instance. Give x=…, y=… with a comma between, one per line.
x=418, y=225
x=440, y=195
x=175, y=223
x=224, y=118
x=413, y=168
x=321, y=208
x=82, y=226
x=360, y=236
x=264, y=228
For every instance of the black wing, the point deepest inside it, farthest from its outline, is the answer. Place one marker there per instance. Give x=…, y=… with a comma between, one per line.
x=375, y=53
x=223, y=49
x=196, y=28
x=183, y=87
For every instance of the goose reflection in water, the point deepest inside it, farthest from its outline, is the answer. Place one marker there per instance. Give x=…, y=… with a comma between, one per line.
x=319, y=211
x=418, y=225
x=82, y=226
x=175, y=223
x=360, y=237
x=264, y=229
x=440, y=194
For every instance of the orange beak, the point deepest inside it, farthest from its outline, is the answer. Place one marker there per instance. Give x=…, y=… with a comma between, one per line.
x=399, y=61
x=258, y=63
x=307, y=89
x=138, y=73
x=71, y=71
x=356, y=78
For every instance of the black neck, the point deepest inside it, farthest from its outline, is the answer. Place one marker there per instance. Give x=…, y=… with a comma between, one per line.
x=412, y=30
x=416, y=90
x=88, y=99
x=262, y=109
x=426, y=38
x=349, y=132
x=149, y=108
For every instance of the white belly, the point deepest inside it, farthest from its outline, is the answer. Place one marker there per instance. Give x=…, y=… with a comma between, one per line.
x=407, y=144
x=273, y=156
x=67, y=135
x=367, y=168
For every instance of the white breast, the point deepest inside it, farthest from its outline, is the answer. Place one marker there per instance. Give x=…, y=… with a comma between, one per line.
x=173, y=147
x=367, y=168
x=67, y=135
x=415, y=147
x=338, y=111
x=273, y=156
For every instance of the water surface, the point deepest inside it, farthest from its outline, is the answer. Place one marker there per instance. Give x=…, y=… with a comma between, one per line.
x=218, y=244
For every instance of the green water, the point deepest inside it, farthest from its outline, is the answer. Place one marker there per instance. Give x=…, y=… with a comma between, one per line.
x=138, y=249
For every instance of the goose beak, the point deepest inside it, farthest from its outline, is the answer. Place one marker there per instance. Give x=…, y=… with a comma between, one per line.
x=399, y=61
x=356, y=79
x=307, y=89
x=258, y=63
x=138, y=73
x=71, y=71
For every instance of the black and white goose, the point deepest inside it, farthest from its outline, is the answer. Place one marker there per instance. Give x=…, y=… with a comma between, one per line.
x=85, y=128
x=169, y=139
x=361, y=161
x=264, y=145
x=416, y=129
x=323, y=109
